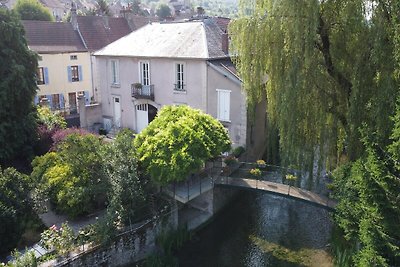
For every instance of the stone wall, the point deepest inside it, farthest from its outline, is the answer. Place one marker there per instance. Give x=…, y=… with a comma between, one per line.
x=90, y=115
x=128, y=247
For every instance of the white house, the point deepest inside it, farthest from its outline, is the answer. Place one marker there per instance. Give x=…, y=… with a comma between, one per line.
x=180, y=63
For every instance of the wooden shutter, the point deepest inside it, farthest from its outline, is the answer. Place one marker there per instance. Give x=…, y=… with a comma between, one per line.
x=69, y=71
x=224, y=104
x=80, y=73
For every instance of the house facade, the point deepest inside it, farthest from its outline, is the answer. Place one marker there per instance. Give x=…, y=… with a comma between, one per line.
x=161, y=64
x=64, y=69
x=66, y=63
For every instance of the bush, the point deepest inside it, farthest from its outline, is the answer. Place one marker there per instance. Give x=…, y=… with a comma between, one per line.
x=72, y=176
x=238, y=151
x=256, y=172
x=178, y=142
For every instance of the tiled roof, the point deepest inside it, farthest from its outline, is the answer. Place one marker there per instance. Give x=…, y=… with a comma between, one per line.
x=99, y=31
x=193, y=39
x=222, y=23
x=225, y=65
x=46, y=36
x=138, y=22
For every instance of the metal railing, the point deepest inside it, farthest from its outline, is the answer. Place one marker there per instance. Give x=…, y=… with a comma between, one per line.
x=145, y=91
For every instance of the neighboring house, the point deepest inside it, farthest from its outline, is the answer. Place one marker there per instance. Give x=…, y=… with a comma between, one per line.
x=183, y=63
x=64, y=64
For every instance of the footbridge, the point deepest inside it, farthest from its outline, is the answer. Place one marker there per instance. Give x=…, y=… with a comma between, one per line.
x=272, y=180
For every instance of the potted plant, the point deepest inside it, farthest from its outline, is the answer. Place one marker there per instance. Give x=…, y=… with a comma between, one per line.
x=255, y=172
x=138, y=85
x=261, y=163
x=230, y=160
x=291, y=179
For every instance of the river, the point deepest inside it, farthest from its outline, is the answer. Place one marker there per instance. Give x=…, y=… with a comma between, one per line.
x=260, y=229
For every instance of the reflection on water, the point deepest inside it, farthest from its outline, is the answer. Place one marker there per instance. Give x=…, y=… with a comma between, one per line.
x=259, y=229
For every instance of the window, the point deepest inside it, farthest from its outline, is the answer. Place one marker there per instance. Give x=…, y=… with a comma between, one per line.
x=144, y=73
x=55, y=101
x=73, y=57
x=40, y=76
x=223, y=105
x=179, y=76
x=114, y=72
x=74, y=73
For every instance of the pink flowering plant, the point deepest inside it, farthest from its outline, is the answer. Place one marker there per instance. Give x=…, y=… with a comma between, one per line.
x=60, y=239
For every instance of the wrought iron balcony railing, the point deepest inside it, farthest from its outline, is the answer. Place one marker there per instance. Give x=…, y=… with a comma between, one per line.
x=143, y=91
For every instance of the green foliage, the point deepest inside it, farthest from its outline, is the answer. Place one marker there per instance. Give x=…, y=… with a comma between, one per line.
x=178, y=142
x=73, y=177
x=27, y=259
x=169, y=242
x=32, y=10
x=50, y=119
x=126, y=194
x=368, y=190
x=163, y=11
x=15, y=207
x=230, y=160
x=330, y=69
x=61, y=240
x=17, y=89
x=256, y=172
x=238, y=151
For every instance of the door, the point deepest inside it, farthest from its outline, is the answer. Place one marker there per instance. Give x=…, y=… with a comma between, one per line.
x=72, y=103
x=117, y=112
x=142, y=118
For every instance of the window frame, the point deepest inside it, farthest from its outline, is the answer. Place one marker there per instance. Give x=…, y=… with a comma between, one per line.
x=144, y=80
x=40, y=79
x=115, y=78
x=180, y=76
x=75, y=73
x=220, y=116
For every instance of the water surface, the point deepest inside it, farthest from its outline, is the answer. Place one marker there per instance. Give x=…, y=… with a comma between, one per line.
x=260, y=229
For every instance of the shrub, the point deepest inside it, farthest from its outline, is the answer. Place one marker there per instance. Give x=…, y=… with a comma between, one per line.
x=255, y=172
x=61, y=134
x=230, y=160
x=178, y=142
x=238, y=151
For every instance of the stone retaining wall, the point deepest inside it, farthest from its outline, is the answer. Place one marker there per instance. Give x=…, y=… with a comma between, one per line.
x=128, y=247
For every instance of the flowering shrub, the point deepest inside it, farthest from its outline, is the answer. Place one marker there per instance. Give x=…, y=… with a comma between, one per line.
x=61, y=240
x=255, y=172
x=291, y=178
x=260, y=162
x=61, y=134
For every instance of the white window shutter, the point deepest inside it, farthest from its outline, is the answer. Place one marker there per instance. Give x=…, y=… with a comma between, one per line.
x=224, y=104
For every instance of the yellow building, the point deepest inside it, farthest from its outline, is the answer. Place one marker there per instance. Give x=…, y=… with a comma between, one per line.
x=65, y=66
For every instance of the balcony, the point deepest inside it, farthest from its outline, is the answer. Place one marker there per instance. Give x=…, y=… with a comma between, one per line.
x=142, y=91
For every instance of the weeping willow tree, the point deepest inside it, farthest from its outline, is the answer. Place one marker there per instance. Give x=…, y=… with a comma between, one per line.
x=332, y=70
x=328, y=67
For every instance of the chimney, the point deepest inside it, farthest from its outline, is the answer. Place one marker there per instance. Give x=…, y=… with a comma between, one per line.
x=225, y=43
x=74, y=20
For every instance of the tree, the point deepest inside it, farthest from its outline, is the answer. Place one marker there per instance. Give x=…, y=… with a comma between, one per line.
x=17, y=89
x=330, y=69
x=72, y=176
x=32, y=10
x=48, y=124
x=163, y=11
x=15, y=207
x=333, y=79
x=127, y=192
x=178, y=142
